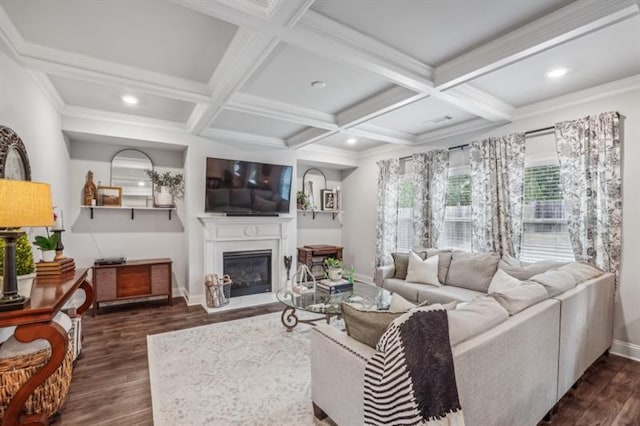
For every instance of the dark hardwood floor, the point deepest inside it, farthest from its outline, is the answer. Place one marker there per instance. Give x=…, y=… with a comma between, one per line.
x=110, y=383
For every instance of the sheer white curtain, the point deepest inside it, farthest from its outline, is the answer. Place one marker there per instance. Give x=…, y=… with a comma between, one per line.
x=429, y=196
x=387, y=210
x=590, y=154
x=497, y=170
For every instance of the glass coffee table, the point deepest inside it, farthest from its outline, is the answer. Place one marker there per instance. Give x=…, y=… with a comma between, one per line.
x=364, y=296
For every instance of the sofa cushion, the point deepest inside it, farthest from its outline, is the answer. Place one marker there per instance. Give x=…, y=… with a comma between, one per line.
x=447, y=294
x=520, y=297
x=407, y=290
x=472, y=270
x=423, y=271
x=443, y=263
x=366, y=326
x=473, y=318
x=502, y=281
x=523, y=270
x=555, y=281
x=581, y=271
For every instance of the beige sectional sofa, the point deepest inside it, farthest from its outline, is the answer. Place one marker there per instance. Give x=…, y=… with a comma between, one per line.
x=516, y=352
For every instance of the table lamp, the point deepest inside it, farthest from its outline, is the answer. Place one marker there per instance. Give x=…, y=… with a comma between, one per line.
x=22, y=203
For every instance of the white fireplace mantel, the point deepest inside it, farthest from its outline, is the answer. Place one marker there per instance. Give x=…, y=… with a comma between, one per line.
x=222, y=233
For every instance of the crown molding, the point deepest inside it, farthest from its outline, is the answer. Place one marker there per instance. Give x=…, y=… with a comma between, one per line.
x=377, y=105
x=234, y=136
x=10, y=33
x=574, y=20
x=327, y=38
x=371, y=131
x=477, y=102
x=49, y=90
x=580, y=97
x=71, y=111
x=263, y=107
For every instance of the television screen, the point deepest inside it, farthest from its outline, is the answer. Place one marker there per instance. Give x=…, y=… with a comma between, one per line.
x=245, y=187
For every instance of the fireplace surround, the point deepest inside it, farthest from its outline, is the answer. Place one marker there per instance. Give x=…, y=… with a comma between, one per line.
x=224, y=234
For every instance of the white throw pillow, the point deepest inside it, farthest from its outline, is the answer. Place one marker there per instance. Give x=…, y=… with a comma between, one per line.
x=400, y=304
x=503, y=281
x=423, y=271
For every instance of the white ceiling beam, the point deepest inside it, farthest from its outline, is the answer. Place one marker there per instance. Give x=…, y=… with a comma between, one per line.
x=477, y=102
x=384, y=134
x=308, y=136
x=84, y=113
x=377, y=105
x=457, y=129
x=242, y=137
x=574, y=20
x=263, y=107
x=232, y=12
x=325, y=37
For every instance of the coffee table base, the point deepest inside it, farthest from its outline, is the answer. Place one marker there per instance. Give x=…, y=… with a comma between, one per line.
x=290, y=319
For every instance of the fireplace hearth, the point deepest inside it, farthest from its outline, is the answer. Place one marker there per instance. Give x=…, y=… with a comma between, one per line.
x=250, y=271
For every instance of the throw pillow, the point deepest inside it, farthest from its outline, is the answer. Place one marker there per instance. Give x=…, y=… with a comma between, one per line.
x=400, y=304
x=400, y=263
x=473, y=271
x=423, y=271
x=522, y=270
x=366, y=326
x=502, y=281
x=443, y=262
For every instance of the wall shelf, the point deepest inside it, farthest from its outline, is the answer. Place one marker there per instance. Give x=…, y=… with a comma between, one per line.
x=133, y=209
x=334, y=213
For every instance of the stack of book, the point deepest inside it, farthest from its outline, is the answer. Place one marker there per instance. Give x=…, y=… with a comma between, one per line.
x=333, y=287
x=57, y=267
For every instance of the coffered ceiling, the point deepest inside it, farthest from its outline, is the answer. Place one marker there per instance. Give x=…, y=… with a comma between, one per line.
x=386, y=72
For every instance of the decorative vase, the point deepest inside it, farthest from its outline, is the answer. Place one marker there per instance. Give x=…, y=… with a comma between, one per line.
x=48, y=255
x=335, y=274
x=164, y=197
x=24, y=284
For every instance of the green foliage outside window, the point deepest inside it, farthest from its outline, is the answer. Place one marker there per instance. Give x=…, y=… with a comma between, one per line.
x=405, y=197
x=24, y=256
x=542, y=183
x=459, y=190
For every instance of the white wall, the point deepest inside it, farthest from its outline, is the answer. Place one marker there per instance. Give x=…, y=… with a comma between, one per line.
x=360, y=207
x=25, y=109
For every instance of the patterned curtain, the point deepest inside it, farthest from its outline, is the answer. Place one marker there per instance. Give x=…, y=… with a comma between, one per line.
x=387, y=210
x=497, y=186
x=590, y=156
x=429, y=196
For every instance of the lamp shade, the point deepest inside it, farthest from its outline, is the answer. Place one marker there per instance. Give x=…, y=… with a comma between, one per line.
x=24, y=203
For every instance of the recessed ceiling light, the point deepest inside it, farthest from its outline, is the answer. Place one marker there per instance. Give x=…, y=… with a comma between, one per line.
x=318, y=84
x=557, y=72
x=438, y=120
x=352, y=141
x=129, y=99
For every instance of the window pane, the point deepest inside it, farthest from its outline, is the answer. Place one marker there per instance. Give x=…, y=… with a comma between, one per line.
x=545, y=233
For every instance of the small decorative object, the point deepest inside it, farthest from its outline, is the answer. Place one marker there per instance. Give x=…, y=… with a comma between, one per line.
x=217, y=290
x=334, y=268
x=110, y=196
x=47, y=245
x=168, y=187
x=90, y=190
x=58, y=229
x=287, y=265
x=302, y=201
x=300, y=283
x=328, y=201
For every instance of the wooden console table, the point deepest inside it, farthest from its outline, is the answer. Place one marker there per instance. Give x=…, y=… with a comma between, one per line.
x=314, y=256
x=35, y=321
x=132, y=279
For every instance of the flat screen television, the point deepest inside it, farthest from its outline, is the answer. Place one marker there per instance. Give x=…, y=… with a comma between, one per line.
x=244, y=187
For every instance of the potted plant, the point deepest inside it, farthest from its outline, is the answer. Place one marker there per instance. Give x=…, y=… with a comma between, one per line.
x=47, y=245
x=302, y=201
x=334, y=268
x=167, y=187
x=24, y=264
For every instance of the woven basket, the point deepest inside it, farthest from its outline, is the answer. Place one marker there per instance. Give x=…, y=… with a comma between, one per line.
x=49, y=396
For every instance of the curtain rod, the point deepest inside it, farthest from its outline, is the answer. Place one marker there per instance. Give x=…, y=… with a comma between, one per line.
x=542, y=129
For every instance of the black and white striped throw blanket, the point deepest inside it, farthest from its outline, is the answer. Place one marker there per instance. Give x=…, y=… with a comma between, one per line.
x=411, y=379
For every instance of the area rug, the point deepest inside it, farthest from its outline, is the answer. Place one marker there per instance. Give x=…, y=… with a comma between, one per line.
x=244, y=372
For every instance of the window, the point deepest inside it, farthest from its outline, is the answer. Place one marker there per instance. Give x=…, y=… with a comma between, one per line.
x=457, y=215
x=404, y=228
x=545, y=233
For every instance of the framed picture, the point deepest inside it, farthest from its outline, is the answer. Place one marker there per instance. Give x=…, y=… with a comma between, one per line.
x=328, y=199
x=110, y=196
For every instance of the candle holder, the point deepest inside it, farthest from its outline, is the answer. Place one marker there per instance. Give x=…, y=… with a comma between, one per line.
x=59, y=246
